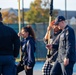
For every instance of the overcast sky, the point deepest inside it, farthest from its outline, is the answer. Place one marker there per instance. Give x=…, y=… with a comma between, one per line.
x=58, y=4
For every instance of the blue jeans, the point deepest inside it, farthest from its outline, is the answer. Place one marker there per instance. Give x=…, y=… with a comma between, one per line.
x=7, y=65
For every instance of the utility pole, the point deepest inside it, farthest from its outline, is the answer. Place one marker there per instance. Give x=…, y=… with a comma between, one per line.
x=19, y=22
x=19, y=16
x=50, y=31
x=23, y=13
x=66, y=9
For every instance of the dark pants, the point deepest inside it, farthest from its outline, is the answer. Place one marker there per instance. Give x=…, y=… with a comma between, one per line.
x=7, y=65
x=20, y=67
x=29, y=72
x=60, y=69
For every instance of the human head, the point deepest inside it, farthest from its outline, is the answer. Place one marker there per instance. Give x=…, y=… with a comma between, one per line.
x=56, y=30
x=55, y=27
x=51, y=25
x=27, y=31
x=0, y=16
x=60, y=21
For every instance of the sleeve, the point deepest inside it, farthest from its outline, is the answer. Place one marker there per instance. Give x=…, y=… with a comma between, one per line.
x=31, y=58
x=16, y=44
x=70, y=44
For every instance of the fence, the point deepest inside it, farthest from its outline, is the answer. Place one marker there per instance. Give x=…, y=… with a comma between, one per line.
x=40, y=30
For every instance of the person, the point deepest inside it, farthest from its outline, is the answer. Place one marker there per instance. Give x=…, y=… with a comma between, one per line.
x=9, y=49
x=66, y=49
x=28, y=49
x=53, y=54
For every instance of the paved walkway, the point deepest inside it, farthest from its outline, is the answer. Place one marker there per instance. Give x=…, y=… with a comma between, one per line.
x=35, y=73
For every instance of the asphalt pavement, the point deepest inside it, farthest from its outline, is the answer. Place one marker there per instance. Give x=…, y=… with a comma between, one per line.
x=36, y=72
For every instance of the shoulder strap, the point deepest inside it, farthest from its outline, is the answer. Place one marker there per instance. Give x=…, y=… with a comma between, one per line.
x=56, y=38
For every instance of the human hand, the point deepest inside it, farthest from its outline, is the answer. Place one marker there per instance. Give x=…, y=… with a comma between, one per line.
x=49, y=46
x=29, y=67
x=66, y=61
x=19, y=34
x=51, y=25
x=48, y=28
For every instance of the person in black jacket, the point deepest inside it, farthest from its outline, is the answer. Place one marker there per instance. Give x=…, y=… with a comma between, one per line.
x=66, y=49
x=9, y=49
x=28, y=50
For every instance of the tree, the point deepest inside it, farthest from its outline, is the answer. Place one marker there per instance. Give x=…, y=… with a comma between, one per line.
x=9, y=18
x=37, y=13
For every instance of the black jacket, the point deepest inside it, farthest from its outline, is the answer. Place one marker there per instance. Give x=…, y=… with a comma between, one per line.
x=28, y=47
x=9, y=41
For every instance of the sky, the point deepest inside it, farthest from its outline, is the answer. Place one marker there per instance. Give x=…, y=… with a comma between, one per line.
x=58, y=4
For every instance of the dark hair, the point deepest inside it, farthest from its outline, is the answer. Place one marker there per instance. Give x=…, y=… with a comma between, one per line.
x=30, y=30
